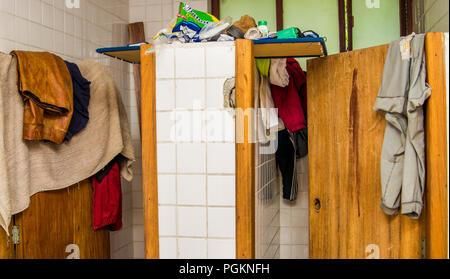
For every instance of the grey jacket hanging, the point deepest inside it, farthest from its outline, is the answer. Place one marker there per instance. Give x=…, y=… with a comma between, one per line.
x=402, y=95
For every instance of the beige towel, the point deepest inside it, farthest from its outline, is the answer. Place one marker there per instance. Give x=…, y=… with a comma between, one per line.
x=27, y=168
x=278, y=73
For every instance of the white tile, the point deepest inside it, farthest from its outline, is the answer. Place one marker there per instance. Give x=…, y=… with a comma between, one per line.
x=190, y=93
x=168, y=248
x=35, y=11
x=285, y=252
x=220, y=126
x=166, y=158
x=299, y=218
x=221, y=158
x=221, y=222
x=167, y=189
x=165, y=62
x=165, y=95
x=137, y=14
x=167, y=220
x=139, y=250
x=300, y=251
x=191, y=189
x=191, y=158
x=154, y=12
x=190, y=62
x=214, y=92
x=222, y=190
x=220, y=61
x=221, y=249
x=191, y=221
x=165, y=127
x=191, y=248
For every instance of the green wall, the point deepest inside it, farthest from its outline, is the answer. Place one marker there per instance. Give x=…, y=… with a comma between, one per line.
x=258, y=9
x=375, y=26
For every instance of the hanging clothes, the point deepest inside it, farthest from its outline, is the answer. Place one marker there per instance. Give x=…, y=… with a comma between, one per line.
x=287, y=163
x=402, y=94
x=46, y=87
x=81, y=97
x=27, y=168
x=291, y=100
x=107, y=198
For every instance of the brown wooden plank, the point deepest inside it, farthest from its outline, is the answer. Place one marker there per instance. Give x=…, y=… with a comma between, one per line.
x=137, y=35
x=149, y=167
x=215, y=8
x=136, y=32
x=436, y=150
x=56, y=219
x=245, y=153
x=288, y=50
x=279, y=15
x=6, y=247
x=345, y=139
x=131, y=56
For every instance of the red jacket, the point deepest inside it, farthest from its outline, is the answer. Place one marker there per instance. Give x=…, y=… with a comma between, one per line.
x=291, y=100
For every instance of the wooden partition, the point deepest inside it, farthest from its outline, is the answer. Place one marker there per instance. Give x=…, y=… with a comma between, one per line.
x=345, y=139
x=436, y=150
x=149, y=156
x=245, y=152
x=58, y=225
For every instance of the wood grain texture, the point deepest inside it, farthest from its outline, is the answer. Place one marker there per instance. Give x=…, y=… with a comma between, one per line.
x=436, y=150
x=149, y=167
x=6, y=247
x=56, y=219
x=137, y=35
x=345, y=139
x=245, y=153
x=288, y=50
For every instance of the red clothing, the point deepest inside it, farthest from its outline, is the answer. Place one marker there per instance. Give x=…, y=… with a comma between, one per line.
x=107, y=204
x=291, y=100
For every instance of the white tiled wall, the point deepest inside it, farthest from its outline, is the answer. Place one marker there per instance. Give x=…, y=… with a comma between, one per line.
x=294, y=219
x=155, y=14
x=196, y=162
x=267, y=211
x=75, y=34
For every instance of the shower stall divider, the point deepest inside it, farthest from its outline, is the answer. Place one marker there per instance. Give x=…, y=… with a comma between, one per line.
x=341, y=225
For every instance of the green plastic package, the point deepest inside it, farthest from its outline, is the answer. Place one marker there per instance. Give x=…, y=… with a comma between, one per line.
x=192, y=19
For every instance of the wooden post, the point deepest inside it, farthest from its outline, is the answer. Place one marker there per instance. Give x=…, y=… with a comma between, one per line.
x=279, y=11
x=149, y=168
x=245, y=153
x=436, y=188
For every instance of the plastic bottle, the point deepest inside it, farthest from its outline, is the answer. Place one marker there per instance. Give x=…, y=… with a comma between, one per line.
x=262, y=27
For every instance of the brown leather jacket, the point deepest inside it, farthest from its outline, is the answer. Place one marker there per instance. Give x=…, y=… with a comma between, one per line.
x=46, y=87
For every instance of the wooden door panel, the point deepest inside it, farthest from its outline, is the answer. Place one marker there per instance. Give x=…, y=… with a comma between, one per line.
x=345, y=139
x=58, y=224
x=6, y=247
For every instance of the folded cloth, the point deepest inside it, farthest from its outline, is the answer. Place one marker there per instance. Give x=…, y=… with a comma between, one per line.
x=81, y=96
x=278, y=74
x=107, y=201
x=27, y=168
x=46, y=87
